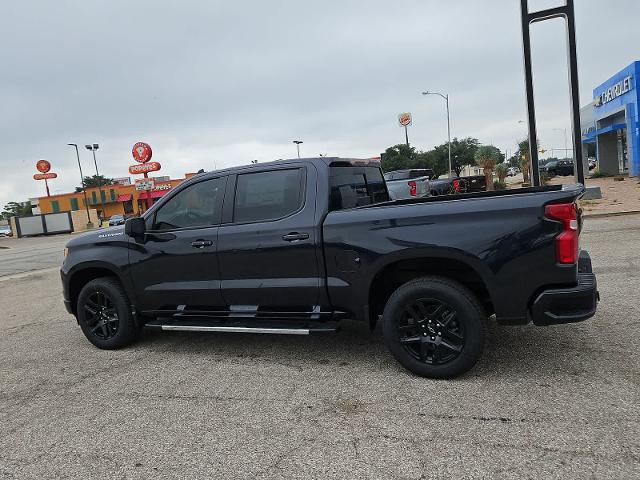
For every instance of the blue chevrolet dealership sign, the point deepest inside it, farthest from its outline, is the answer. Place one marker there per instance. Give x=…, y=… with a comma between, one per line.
x=616, y=103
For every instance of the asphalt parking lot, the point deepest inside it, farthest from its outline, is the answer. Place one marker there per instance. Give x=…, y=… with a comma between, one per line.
x=556, y=402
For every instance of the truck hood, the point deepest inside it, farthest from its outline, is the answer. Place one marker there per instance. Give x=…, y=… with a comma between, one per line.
x=98, y=236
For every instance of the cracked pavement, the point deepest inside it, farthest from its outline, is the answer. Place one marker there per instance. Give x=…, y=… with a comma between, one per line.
x=555, y=402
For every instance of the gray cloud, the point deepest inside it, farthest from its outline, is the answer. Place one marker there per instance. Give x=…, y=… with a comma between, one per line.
x=221, y=83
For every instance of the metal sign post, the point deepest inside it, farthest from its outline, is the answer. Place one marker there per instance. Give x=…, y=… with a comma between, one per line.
x=567, y=12
x=405, y=119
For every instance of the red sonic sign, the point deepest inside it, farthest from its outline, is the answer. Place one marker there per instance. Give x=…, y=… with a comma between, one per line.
x=141, y=152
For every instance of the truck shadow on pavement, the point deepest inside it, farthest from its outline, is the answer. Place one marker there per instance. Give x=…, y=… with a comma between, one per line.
x=509, y=351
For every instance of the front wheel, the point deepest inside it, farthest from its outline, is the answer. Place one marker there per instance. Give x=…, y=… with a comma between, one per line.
x=434, y=327
x=104, y=314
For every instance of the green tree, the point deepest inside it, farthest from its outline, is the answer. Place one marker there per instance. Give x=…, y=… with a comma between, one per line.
x=398, y=157
x=95, y=181
x=487, y=157
x=17, y=209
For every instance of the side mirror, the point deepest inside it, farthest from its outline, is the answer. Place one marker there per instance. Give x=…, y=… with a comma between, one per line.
x=135, y=227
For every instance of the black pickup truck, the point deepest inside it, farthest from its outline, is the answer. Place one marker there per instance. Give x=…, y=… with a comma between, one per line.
x=294, y=246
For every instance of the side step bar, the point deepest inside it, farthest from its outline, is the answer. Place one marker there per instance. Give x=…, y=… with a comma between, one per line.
x=243, y=326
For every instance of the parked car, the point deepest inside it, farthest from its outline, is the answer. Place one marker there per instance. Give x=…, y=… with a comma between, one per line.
x=295, y=246
x=512, y=172
x=561, y=167
x=116, y=220
x=5, y=231
x=592, y=163
x=408, y=183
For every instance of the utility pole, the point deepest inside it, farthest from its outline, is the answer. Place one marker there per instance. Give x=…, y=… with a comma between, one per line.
x=93, y=147
x=84, y=189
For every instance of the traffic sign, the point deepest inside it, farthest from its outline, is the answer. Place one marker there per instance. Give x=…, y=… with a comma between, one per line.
x=141, y=152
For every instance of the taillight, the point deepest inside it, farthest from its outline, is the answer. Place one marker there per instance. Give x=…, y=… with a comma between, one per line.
x=456, y=185
x=567, y=241
x=413, y=189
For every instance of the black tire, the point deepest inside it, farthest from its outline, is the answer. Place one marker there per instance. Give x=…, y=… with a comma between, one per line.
x=104, y=314
x=444, y=336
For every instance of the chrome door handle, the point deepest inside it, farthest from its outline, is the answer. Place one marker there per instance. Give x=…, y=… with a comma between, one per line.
x=201, y=243
x=292, y=237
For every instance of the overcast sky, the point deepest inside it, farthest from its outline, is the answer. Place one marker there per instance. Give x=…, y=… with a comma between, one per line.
x=214, y=84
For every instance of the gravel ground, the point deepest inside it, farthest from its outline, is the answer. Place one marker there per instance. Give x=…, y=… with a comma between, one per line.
x=556, y=402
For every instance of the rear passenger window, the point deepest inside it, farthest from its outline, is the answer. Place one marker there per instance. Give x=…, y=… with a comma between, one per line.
x=268, y=195
x=355, y=187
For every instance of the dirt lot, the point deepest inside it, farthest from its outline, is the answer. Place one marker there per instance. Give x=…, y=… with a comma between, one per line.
x=556, y=402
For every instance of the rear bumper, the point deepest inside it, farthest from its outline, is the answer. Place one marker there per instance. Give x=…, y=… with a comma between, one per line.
x=570, y=304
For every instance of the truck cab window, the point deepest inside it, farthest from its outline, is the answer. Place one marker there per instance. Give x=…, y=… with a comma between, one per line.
x=192, y=207
x=356, y=186
x=264, y=196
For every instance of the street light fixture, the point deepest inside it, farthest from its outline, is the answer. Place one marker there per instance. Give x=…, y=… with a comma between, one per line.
x=84, y=189
x=93, y=147
x=446, y=99
x=298, y=142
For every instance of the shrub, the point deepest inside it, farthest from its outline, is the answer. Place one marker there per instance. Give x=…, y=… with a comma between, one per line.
x=599, y=174
x=498, y=185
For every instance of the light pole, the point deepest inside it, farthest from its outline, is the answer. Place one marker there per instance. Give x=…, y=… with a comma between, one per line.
x=565, y=139
x=84, y=189
x=446, y=99
x=93, y=147
x=298, y=142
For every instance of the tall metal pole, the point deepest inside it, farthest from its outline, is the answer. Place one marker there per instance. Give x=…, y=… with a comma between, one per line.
x=567, y=12
x=84, y=189
x=93, y=150
x=406, y=135
x=298, y=142
x=449, y=134
x=446, y=98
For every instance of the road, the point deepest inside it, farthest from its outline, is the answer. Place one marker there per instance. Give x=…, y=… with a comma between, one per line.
x=19, y=255
x=556, y=402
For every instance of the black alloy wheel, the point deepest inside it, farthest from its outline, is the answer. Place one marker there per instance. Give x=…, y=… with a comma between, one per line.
x=105, y=314
x=434, y=327
x=101, y=315
x=430, y=332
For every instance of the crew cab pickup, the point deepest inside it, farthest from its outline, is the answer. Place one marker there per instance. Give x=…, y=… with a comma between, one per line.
x=295, y=246
x=407, y=183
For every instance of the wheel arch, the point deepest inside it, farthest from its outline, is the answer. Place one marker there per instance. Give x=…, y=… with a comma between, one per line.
x=83, y=273
x=399, y=271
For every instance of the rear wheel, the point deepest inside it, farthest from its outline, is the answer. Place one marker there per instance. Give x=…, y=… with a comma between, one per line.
x=104, y=314
x=434, y=327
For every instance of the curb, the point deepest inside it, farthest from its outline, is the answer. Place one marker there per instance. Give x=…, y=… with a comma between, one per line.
x=612, y=214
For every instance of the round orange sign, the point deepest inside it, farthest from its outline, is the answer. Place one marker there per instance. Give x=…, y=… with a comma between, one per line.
x=141, y=152
x=43, y=166
x=404, y=119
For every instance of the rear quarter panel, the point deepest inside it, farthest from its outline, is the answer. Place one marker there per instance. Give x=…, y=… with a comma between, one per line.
x=506, y=240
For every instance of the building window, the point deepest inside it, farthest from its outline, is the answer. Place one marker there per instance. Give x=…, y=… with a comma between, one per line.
x=55, y=206
x=112, y=192
x=74, y=204
x=94, y=197
x=103, y=196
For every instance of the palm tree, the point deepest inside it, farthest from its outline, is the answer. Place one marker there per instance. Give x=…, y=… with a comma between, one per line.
x=487, y=157
x=525, y=158
x=501, y=170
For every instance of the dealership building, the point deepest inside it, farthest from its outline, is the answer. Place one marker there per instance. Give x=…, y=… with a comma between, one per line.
x=611, y=125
